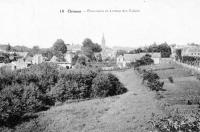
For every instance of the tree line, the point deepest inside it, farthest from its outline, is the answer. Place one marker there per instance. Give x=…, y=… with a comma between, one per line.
x=163, y=48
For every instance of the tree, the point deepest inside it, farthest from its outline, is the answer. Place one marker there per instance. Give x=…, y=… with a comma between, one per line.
x=8, y=47
x=97, y=48
x=59, y=46
x=165, y=50
x=99, y=57
x=47, y=53
x=82, y=60
x=179, y=54
x=153, y=48
x=139, y=50
x=36, y=49
x=89, y=48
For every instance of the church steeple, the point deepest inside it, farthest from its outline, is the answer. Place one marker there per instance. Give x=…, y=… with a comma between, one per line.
x=103, y=42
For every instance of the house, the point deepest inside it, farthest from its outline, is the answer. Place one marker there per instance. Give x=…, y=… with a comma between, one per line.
x=156, y=57
x=67, y=63
x=19, y=64
x=37, y=59
x=21, y=54
x=121, y=61
x=191, y=51
x=68, y=57
x=73, y=47
x=125, y=59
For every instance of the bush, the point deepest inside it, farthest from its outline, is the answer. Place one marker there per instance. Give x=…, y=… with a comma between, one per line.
x=101, y=86
x=155, y=85
x=11, y=106
x=106, y=85
x=171, y=80
x=65, y=90
x=16, y=100
x=177, y=123
x=38, y=87
x=152, y=80
x=145, y=60
x=86, y=83
x=150, y=76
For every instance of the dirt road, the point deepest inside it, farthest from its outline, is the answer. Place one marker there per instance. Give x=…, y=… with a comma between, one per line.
x=129, y=112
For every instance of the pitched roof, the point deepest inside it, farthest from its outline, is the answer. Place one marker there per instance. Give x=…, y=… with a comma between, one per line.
x=155, y=55
x=193, y=49
x=54, y=59
x=22, y=54
x=133, y=57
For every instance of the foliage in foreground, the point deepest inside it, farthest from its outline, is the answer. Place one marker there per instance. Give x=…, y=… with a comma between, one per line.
x=152, y=80
x=40, y=86
x=177, y=123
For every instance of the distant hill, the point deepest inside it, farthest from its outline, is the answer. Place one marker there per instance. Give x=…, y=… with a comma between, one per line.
x=21, y=48
x=17, y=48
x=123, y=48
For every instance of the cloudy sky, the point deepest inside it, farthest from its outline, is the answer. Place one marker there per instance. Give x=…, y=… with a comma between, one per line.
x=39, y=22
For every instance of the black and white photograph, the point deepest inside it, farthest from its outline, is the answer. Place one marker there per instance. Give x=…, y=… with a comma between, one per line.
x=99, y=66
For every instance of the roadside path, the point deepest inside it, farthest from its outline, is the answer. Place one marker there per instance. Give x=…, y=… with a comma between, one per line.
x=132, y=110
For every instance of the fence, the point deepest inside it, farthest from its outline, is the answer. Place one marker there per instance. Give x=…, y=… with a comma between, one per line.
x=195, y=68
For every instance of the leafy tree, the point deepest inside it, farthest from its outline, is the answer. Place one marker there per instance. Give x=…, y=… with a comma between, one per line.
x=165, y=50
x=99, y=57
x=35, y=50
x=97, y=48
x=153, y=48
x=178, y=54
x=59, y=46
x=89, y=48
x=139, y=50
x=47, y=53
x=82, y=60
x=8, y=47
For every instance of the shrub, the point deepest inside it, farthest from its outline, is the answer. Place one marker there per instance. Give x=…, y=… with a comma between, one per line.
x=11, y=106
x=150, y=76
x=65, y=90
x=152, y=80
x=16, y=100
x=101, y=86
x=107, y=85
x=155, y=85
x=171, y=80
x=145, y=60
x=38, y=87
x=177, y=123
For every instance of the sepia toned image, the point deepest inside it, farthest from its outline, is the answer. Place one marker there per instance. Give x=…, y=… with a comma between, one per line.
x=99, y=66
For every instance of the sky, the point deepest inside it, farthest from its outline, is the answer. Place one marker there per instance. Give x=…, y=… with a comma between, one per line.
x=40, y=22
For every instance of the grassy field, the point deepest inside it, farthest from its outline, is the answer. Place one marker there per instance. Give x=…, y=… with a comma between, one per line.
x=183, y=94
x=129, y=112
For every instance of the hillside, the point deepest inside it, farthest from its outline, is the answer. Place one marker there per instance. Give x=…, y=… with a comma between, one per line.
x=128, y=112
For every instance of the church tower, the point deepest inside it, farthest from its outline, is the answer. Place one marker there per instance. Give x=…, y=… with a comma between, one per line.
x=103, y=42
